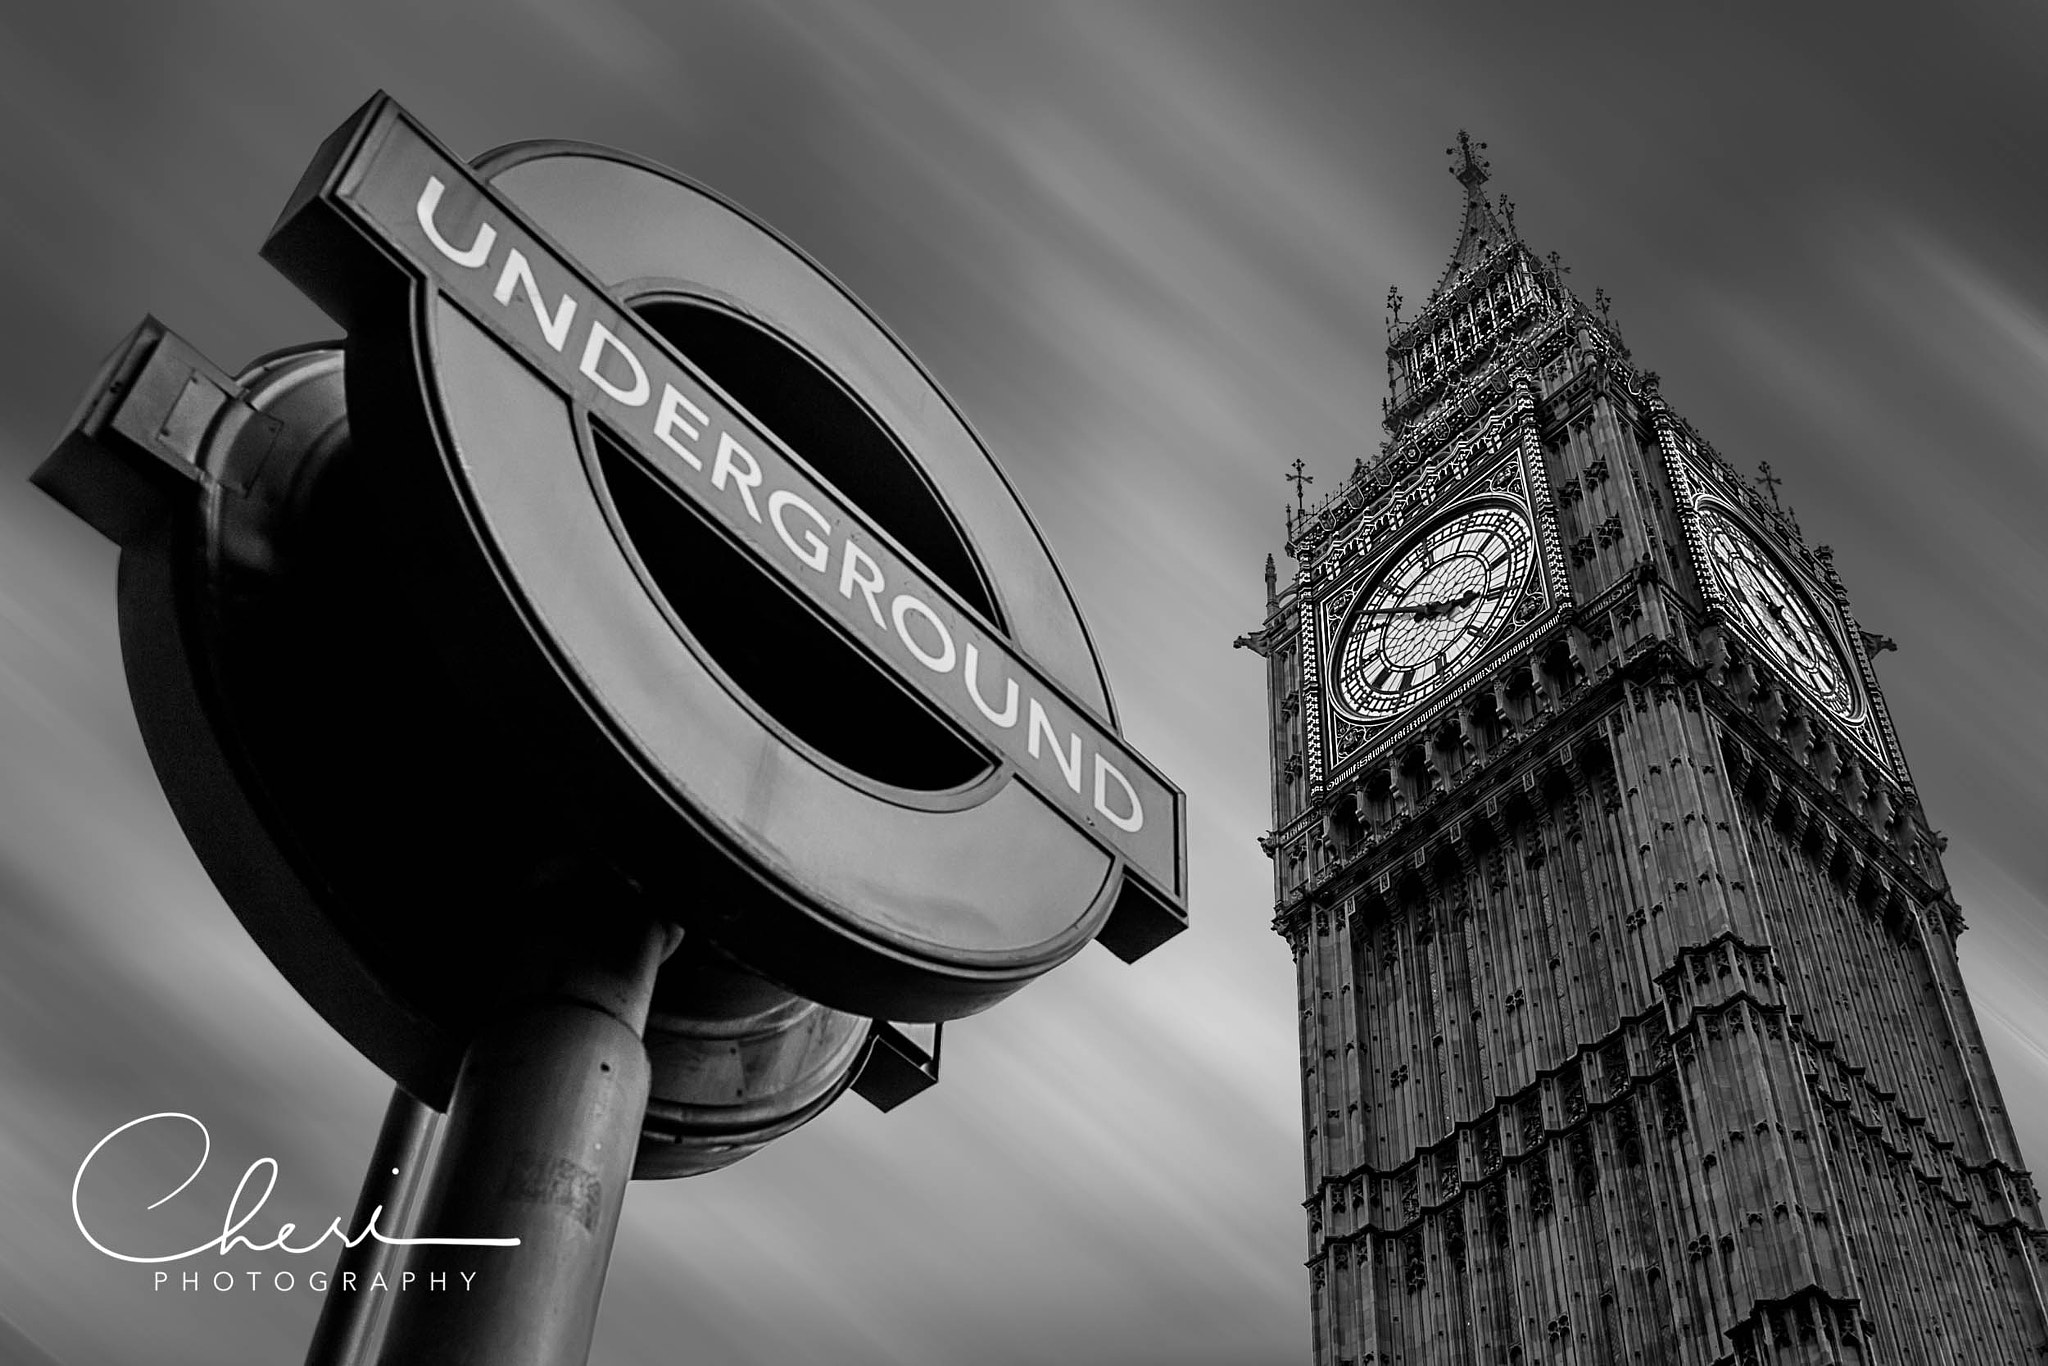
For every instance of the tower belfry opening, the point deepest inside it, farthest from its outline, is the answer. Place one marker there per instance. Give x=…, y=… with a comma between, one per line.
x=1632, y=1027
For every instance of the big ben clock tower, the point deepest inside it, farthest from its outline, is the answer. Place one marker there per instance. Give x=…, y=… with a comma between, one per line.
x=1631, y=1025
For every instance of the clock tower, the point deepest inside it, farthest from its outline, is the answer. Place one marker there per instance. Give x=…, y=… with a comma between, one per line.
x=1631, y=1024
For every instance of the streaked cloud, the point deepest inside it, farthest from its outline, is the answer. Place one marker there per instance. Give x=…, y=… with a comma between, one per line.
x=1145, y=247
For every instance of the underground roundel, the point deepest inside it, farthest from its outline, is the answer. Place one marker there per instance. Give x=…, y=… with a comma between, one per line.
x=1431, y=607
x=746, y=598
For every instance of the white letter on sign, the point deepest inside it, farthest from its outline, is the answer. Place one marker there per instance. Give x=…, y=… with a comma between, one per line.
x=670, y=418
x=593, y=351
x=813, y=552
x=858, y=569
x=731, y=455
x=518, y=272
x=1105, y=772
x=903, y=606
x=1069, y=759
x=1005, y=718
x=479, y=250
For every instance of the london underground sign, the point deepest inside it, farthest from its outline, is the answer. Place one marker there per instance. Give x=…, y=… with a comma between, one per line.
x=383, y=185
x=619, y=582
x=619, y=535
x=760, y=494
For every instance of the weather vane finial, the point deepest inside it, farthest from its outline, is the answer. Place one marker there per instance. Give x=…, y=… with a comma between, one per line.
x=1471, y=168
x=1769, y=481
x=1300, y=482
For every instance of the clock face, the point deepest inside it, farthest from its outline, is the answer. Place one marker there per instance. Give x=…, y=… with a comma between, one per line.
x=1774, y=614
x=1431, y=608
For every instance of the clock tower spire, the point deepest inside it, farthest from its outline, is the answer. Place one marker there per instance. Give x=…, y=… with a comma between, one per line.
x=1481, y=227
x=1631, y=1023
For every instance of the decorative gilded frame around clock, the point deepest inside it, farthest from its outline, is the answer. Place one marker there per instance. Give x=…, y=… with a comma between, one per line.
x=1485, y=514
x=1850, y=701
x=1340, y=738
x=1703, y=483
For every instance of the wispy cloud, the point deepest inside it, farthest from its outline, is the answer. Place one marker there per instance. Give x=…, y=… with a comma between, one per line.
x=1145, y=247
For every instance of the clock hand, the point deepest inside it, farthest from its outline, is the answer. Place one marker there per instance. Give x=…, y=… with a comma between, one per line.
x=1417, y=611
x=1463, y=600
x=1429, y=611
x=1425, y=611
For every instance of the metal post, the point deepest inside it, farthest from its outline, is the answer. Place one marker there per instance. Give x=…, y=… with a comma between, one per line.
x=539, y=1145
x=347, y=1318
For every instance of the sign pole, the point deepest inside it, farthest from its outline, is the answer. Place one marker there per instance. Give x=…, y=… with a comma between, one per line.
x=348, y=1315
x=538, y=1147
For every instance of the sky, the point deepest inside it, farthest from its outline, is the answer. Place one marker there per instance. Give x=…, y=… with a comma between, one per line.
x=1146, y=249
